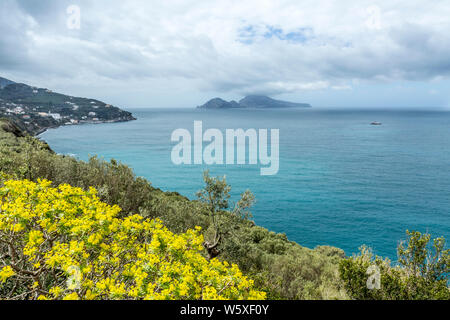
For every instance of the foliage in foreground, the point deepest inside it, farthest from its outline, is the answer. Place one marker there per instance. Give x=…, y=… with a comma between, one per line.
x=64, y=243
x=283, y=269
x=421, y=273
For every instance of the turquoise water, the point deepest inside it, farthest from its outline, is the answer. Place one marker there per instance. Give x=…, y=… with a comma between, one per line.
x=342, y=182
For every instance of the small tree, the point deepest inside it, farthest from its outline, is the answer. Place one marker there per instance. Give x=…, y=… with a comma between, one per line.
x=421, y=259
x=421, y=273
x=427, y=266
x=242, y=207
x=215, y=194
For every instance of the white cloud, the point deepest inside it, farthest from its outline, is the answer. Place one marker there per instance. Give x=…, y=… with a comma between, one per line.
x=226, y=46
x=373, y=17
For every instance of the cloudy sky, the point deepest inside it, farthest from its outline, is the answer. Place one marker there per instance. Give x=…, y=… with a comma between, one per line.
x=180, y=53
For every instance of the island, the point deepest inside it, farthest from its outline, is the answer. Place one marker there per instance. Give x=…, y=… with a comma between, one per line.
x=35, y=110
x=252, y=102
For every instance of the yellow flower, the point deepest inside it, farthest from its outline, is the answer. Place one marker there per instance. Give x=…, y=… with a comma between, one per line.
x=56, y=291
x=90, y=295
x=106, y=257
x=72, y=296
x=6, y=273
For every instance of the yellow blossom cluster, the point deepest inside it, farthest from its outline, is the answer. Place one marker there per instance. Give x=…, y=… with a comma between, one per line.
x=64, y=243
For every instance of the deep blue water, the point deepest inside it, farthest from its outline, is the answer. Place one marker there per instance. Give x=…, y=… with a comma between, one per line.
x=342, y=182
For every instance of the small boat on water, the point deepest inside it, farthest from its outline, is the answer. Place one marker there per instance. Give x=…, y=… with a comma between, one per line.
x=376, y=123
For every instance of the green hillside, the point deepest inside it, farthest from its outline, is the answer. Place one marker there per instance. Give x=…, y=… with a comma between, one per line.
x=36, y=109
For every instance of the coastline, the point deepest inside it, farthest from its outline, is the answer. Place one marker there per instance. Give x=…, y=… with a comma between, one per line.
x=43, y=130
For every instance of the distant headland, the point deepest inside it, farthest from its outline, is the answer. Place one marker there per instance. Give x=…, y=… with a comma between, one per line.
x=35, y=110
x=252, y=102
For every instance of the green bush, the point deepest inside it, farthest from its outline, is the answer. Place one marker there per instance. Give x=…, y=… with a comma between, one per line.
x=420, y=274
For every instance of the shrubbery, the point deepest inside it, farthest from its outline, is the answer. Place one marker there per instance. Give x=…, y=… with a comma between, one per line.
x=64, y=243
x=421, y=273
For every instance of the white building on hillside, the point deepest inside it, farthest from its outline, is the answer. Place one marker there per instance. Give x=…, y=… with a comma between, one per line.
x=55, y=116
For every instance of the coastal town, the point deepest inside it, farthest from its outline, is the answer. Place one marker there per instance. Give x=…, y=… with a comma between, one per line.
x=36, y=109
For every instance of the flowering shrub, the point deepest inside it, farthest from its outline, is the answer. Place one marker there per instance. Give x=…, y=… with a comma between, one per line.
x=64, y=243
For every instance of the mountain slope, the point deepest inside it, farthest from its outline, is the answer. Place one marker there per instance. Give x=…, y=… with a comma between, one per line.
x=266, y=102
x=5, y=82
x=218, y=103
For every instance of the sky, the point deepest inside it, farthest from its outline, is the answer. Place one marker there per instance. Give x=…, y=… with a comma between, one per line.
x=146, y=53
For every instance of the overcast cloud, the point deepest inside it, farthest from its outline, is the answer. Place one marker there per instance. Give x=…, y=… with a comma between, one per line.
x=174, y=52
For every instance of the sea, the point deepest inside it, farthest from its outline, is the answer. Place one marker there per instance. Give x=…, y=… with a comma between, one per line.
x=341, y=182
